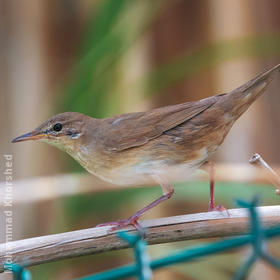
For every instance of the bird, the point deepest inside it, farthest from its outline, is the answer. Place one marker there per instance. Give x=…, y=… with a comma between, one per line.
x=161, y=145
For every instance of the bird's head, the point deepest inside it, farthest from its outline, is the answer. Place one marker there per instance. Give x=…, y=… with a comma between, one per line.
x=62, y=130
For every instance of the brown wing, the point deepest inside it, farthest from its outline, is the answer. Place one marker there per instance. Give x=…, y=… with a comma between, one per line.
x=136, y=129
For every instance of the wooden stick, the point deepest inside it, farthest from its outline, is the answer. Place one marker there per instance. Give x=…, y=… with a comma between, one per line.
x=274, y=178
x=48, y=248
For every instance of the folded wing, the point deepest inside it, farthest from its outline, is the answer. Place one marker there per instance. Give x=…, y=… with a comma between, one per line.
x=136, y=129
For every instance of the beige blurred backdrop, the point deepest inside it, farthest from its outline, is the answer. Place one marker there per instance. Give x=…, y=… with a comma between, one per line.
x=41, y=42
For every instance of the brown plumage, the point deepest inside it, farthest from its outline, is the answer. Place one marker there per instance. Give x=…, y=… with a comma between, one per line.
x=163, y=144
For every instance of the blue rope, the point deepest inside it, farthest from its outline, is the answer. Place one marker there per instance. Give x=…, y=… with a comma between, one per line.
x=19, y=272
x=258, y=242
x=142, y=258
x=189, y=254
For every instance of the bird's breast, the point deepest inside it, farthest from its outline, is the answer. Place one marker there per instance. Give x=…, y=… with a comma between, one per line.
x=139, y=166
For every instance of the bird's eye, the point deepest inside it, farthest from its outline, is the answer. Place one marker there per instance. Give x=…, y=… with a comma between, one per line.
x=57, y=127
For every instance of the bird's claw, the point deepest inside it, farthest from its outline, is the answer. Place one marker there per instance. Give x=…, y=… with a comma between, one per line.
x=116, y=225
x=219, y=208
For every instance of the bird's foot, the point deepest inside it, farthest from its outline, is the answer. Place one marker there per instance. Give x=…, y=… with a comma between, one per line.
x=133, y=220
x=116, y=225
x=219, y=208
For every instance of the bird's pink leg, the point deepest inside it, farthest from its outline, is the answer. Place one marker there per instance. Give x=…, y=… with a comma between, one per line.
x=133, y=220
x=212, y=206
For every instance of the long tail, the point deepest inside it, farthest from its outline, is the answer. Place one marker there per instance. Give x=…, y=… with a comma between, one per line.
x=238, y=101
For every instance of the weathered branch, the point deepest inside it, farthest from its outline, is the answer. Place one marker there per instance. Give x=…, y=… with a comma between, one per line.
x=95, y=240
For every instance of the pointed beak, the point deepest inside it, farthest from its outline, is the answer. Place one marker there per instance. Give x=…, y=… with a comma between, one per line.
x=29, y=136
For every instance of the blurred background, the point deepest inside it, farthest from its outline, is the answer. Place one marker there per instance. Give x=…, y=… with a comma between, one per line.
x=107, y=57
